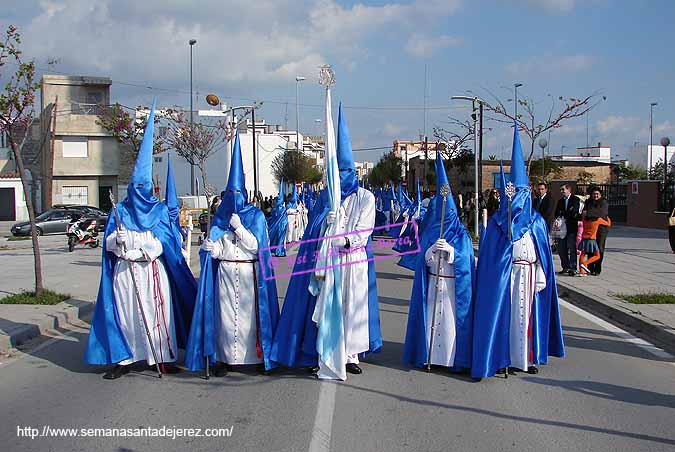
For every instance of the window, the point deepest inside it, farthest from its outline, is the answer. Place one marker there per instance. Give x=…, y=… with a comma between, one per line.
x=95, y=98
x=74, y=195
x=74, y=147
x=158, y=159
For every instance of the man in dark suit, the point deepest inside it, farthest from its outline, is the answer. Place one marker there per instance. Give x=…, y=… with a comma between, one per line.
x=543, y=203
x=568, y=207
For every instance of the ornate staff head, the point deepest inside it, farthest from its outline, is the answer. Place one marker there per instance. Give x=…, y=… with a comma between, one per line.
x=445, y=190
x=112, y=196
x=326, y=76
x=510, y=190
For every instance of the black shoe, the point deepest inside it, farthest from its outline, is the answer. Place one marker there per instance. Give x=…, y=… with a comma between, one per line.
x=219, y=370
x=571, y=272
x=353, y=369
x=501, y=371
x=476, y=379
x=170, y=368
x=262, y=371
x=116, y=372
x=532, y=370
x=513, y=370
x=562, y=272
x=313, y=370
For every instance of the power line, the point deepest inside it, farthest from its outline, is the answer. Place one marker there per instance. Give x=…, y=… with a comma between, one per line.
x=268, y=101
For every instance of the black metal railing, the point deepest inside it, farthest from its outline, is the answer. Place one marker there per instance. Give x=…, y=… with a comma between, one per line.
x=667, y=197
x=616, y=196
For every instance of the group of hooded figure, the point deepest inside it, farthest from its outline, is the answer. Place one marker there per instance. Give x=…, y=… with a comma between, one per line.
x=499, y=317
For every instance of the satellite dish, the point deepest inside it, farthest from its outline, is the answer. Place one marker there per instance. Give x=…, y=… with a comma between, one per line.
x=212, y=100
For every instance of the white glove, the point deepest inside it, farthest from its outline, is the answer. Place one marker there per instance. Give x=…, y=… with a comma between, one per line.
x=330, y=218
x=122, y=236
x=235, y=221
x=339, y=242
x=207, y=245
x=134, y=255
x=442, y=245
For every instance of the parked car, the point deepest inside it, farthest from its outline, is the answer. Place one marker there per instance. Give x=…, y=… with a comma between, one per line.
x=56, y=219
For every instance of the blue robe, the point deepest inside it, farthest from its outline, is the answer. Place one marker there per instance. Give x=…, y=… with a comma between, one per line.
x=493, y=299
x=277, y=224
x=295, y=341
x=409, y=261
x=106, y=343
x=416, y=348
x=202, y=341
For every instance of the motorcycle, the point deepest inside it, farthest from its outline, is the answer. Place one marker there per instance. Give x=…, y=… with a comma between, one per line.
x=82, y=232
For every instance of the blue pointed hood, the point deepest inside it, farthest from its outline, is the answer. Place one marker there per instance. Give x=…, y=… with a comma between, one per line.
x=143, y=168
x=235, y=196
x=518, y=172
x=441, y=179
x=171, y=197
x=348, y=181
x=141, y=210
x=293, y=201
x=521, y=203
x=280, y=200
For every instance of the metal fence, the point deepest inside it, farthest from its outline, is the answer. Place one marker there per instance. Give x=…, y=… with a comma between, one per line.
x=616, y=196
x=667, y=197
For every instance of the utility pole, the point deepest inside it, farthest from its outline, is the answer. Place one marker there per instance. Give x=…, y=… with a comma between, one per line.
x=480, y=146
x=192, y=42
x=49, y=185
x=255, y=159
x=426, y=160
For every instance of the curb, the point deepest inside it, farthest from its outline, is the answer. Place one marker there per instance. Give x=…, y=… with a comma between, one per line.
x=638, y=325
x=68, y=311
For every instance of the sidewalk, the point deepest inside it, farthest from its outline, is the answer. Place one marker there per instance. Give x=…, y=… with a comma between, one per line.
x=636, y=261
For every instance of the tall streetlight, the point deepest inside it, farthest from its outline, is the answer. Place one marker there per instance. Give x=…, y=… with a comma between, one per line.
x=192, y=42
x=298, y=79
x=651, y=116
x=665, y=142
x=542, y=144
x=475, y=101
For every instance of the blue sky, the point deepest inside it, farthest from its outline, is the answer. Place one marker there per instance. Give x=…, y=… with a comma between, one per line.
x=378, y=49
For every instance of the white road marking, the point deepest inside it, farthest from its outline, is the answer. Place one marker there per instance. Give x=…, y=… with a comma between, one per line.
x=626, y=336
x=323, y=422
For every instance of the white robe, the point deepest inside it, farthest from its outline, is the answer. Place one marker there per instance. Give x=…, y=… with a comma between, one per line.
x=159, y=316
x=293, y=230
x=236, y=325
x=527, y=278
x=357, y=216
x=445, y=333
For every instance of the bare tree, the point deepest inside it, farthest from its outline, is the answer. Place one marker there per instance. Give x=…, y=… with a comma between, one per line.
x=561, y=110
x=17, y=109
x=455, y=135
x=196, y=142
x=128, y=129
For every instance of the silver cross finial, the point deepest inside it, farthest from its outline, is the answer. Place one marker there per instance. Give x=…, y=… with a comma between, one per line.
x=326, y=76
x=510, y=190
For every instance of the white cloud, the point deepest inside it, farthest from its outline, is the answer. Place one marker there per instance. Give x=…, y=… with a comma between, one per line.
x=618, y=124
x=552, y=6
x=420, y=45
x=266, y=41
x=552, y=65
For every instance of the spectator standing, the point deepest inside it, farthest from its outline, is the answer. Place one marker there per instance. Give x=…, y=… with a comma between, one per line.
x=597, y=208
x=568, y=207
x=543, y=203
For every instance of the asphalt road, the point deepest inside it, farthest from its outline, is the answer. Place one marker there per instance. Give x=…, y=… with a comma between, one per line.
x=608, y=394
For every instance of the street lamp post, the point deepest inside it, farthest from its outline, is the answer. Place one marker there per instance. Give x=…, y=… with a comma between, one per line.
x=542, y=144
x=191, y=42
x=474, y=101
x=298, y=79
x=665, y=142
x=651, y=116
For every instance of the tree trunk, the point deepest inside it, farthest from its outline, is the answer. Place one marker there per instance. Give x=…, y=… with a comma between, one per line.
x=31, y=217
x=202, y=169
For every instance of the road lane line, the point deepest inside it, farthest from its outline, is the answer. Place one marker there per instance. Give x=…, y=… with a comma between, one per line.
x=626, y=336
x=323, y=422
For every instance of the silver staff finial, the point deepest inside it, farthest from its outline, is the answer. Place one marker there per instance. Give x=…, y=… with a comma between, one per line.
x=445, y=190
x=326, y=76
x=510, y=190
